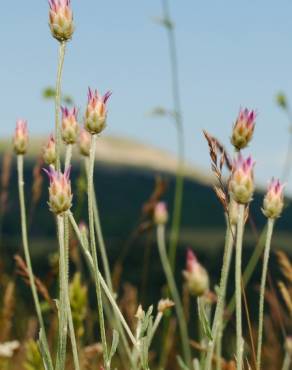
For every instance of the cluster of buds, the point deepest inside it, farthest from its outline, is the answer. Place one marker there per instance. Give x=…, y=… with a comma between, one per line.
x=160, y=214
x=49, y=151
x=95, y=116
x=61, y=19
x=20, y=139
x=241, y=183
x=70, y=128
x=273, y=201
x=196, y=276
x=243, y=128
x=60, y=196
x=84, y=142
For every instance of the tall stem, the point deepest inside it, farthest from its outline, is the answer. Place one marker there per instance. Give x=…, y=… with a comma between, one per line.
x=175, y=295
x=27, y=256
x=287, y=361
x=238, y=254
x=94, y=251
x=68, y=155
x=217, y=326
x=262, y=289
x=62, y=48
x=178, y=197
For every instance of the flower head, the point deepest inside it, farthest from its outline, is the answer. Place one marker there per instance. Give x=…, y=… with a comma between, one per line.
x=84, y=142
x=70, y=126
x=20, y=139
x=96, y=112
x=160, y=213
x=164, y=304
x=273, y=201
x=60, y=196
x=241, y=183
x=243, y=128
x=49, y=151
x=61, y=19
x=195, y=275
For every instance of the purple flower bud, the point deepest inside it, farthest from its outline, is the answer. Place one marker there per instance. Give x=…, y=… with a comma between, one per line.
x=243, y=128
x=20, y=139
x=84, y=142
x=274, y=199
x=160, y=214
x=49, y=151
x=195, y=275
x=70, y=128
x=61, y=19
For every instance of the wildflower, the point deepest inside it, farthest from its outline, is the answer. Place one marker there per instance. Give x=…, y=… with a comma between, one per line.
x=20, y=139
x=164, y=304
x=196, y=275
x=84, y=142
x=273, y=201
x=95, y=116
x=160, y=214
x=243, y=128
x=241, y=183
x=70, y=126
x=60, y=196
x=61, y=19
x=49, y=151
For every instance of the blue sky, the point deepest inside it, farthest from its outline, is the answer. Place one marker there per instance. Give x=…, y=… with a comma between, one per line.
x=231, y=54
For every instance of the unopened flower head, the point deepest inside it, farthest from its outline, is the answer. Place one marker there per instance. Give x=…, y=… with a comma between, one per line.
x=60, y=196
x=49, y=151
x=70, y=128
x=243, y=128
x=195, y=275
x=241, y=183
x=96, y=112
x=61, y=19
x=84, y=142
x=160, y=213
x=274, y=199
x=164, y=304
x=20, y=139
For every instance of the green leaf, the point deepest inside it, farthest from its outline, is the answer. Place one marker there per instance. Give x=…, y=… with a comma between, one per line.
x=114, y=346
x=204, y=320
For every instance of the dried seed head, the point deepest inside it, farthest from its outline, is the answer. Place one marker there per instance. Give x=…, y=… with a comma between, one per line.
x=164, y=304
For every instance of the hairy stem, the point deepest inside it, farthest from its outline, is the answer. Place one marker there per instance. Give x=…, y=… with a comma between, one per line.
x=262, y=290
x=28, y=259
x=175, y=295
x=68, y=155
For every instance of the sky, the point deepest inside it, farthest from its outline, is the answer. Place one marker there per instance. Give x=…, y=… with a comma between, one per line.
x=231, y=55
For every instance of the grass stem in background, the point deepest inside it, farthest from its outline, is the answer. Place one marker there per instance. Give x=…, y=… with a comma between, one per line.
x=262, y=289
x=287, y=361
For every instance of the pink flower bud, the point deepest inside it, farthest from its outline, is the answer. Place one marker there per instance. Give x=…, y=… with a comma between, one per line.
x=70, y=128
x=195, y=275
x=49, y=151
x=60, y=196
x=274, y=199
x=20, y=139
x=243, y=128
x=96, y=113
x=160, y=214
x=84, y=142
x=61, y=19
x=241, y=184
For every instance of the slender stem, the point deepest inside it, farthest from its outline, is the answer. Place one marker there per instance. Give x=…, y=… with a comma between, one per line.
x=68, y=155
x=175, y=295
x=218, y=316
x=238, y=253
x=178, y=197
x=287, y=361
x=27, y=256
x=93, y=250
x=106, y=290
x=62, y=49
x=155, y=326
x=72, y=333
x=262, y=290
x=62, y=309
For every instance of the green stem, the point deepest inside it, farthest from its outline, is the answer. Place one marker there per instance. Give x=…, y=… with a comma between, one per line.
x=62, y=49
x=175, y=295
x=287, y=361
x=262, y=290
x=28, y=259
x=68, y=155
x=93, y=250
x=218, y=316
x=238, y=254
x=155, y=326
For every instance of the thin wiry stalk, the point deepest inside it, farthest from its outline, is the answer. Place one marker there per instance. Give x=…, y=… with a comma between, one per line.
x=28, y=259
x=217, y=327
x=179, y=182
x=175, y=295
x=287, y=361
x=238, y=254
x=94, y=251
x=262, y=290
x=62, y=49
x=68, y=155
